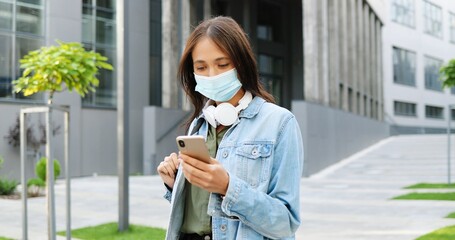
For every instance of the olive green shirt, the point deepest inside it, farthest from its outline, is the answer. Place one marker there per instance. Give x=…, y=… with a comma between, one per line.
x=196, y=219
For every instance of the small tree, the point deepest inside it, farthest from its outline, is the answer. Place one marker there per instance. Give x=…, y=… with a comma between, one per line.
x=448, y=74
x=57, y=68
x=51, y=69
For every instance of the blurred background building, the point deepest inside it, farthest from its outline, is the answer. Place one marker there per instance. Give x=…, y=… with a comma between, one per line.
x=322, y=59
x=418, y=38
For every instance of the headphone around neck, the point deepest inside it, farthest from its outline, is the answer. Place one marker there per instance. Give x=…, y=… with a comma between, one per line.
x=225, y=113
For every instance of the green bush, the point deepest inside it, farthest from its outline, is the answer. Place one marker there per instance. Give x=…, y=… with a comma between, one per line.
x=40, y=169
x=35, y=182
x=1, y=162
x=34, y=186
x=7, y=186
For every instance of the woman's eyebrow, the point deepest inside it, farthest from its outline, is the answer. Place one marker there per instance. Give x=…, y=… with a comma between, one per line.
x=221, y=58
x=216, y=60
x=198, y=61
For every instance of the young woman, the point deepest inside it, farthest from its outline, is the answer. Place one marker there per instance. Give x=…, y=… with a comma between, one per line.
x=250, y=189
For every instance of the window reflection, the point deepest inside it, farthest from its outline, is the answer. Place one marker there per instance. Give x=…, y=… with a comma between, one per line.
x=27, y=35
x=5, y=66
x=271, y=73
x=452, y=27
x=33, y=2
x=269, y=21
x=98, y=34
x=404, y=109
x=433, y=19
x=6, y=16
x=29, y=20
x=23, y=47
x=404, y=66
x=403, y=12
x=432, y=67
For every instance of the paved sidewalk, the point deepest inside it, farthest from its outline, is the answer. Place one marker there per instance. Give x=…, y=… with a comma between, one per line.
x=347, y=201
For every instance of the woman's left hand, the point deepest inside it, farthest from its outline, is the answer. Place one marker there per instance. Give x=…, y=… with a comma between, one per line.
x=209, y=176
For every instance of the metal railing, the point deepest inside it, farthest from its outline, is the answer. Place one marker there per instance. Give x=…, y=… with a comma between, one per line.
x=49, y=169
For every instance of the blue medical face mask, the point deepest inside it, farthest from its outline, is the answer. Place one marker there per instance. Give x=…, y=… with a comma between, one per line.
x=220, y=88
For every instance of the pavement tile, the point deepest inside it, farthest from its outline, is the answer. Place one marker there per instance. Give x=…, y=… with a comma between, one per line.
x=349, y=200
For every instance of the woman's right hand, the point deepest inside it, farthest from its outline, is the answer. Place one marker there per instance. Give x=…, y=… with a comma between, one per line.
x=168, y=168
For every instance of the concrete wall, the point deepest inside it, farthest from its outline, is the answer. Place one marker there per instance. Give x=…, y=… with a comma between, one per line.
x=161, y=127
x=99, y=143
x=331, y=135
x=11, y=166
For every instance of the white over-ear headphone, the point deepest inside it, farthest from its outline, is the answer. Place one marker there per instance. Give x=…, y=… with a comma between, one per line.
x=225, y=113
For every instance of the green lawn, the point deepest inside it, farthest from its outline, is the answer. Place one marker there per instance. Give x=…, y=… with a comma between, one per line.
x=446, y=233
x=448, y=196
x=430, y=185
x=3, y=238
x=109, y=231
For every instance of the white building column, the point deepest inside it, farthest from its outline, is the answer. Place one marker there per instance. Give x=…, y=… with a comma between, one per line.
x=380, y=80
x=343, y=35
x=367, y=65
x=334, y=68
x=170, y=57
x=310, y=41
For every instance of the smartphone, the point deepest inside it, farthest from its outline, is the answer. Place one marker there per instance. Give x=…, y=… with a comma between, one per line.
x=193, y=146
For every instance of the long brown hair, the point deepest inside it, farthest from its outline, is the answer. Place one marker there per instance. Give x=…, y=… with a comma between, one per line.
x=232, y=40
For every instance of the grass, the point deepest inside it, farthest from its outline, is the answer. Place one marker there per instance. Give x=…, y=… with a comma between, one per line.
x=110, y=231
x=431, y=185
x=3, y=238
x=446, y=233
x=448, y=196
x=451, y=215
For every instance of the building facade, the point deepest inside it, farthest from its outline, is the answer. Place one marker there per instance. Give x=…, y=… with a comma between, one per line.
x=321, y=59
x=419, y=37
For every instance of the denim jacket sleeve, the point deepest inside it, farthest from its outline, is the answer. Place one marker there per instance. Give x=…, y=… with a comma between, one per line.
x=275, y=213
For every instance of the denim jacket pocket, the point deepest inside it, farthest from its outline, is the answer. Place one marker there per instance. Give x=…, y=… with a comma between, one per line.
x=255, y=162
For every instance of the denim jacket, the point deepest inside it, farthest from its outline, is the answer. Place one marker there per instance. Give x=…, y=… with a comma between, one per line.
x=263, y=155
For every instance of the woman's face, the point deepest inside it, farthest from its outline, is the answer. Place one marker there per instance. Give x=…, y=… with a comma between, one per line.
x=209, y=60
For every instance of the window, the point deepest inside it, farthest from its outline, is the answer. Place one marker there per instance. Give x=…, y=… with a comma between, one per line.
x=452, y=27
x=269, y=21
x=432, y=81
x=358, y=103
x=432, y=15
x=21, y=31
x=404, y=66
x=98, y=34
x=155, y=53
x=404, y=109
x=371, y=108
x=403, y=12
x=271, y=73
x=434, y=112
x=452, y=111
x=350, y=100
x=340, y=96
x=452, y=90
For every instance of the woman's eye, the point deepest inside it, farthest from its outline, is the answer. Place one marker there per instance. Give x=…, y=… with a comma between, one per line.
x=223, y=65
x=200, y=68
